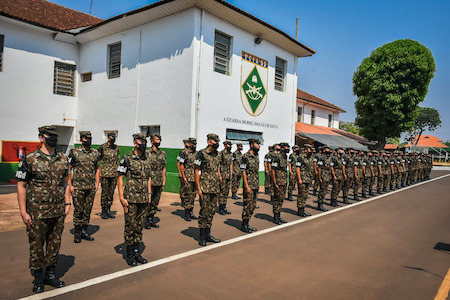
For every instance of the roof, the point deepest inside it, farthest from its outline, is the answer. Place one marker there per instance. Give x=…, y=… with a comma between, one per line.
x=46, y=14
x=304, y=96
x=315, y=129
x=428, y=141
x=390, y=147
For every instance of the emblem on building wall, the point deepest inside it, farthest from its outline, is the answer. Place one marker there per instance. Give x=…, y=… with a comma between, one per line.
x=254, y=78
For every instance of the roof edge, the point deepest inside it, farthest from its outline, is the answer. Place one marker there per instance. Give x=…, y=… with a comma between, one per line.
x=32, y=23
x=328, y=106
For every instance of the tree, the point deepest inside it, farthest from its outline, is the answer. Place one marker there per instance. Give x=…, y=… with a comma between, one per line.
x=389, y=85
x=393, y=140
x=350, y=127
x=428, y=119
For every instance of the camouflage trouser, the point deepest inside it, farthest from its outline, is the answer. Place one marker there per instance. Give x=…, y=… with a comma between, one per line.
x=48, y=232
x=156, y=196
x=399, y=179
x=183, y=190
x=208, y=206
x=224, y=190
x=278, y=198
x=387, y=180
x=411, y=175
x=405, y=177
x=337, y=186
x=368, y=184
x=292, y=183
x=356, y=185
x=303, y=194
x=323, y=191
x=364, y=184
x=191, y=193
x=249, y=204
x=82, y=206
x=346, y=186
x=316, y=183
x=393, y=180
x=134, y=222
x=108, y=187
x=266, y=180
x=380, y=182
x=235, y=182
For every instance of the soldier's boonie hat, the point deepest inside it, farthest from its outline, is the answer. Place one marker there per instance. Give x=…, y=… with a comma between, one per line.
x=140, y=136
x=295, y=147
x=85, y=134
x=111, y=133
x=375, y=151
x=185, y=141
x=325, y=147
x=213, y=137
x=270, y=147
x=192, y=140
x=307, y=146
x=284, y=145
x=239, y=144
x=48, y=130
x=252, y=141
x=227, y=142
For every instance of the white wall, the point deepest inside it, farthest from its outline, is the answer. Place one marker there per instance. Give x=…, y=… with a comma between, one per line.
x=322, y=113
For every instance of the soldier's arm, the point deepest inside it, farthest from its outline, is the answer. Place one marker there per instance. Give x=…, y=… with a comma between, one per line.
x=123, y=201
x=298, y=172
x=320, y=174
x=244, y=167
x=198, y=164
x=71, y=163
x=164, y=177
x=355, y=170
x=364, y=170
x=332, y=172
x=66, y=194
x=22, y=177
x=290, y=168
x=343, y=172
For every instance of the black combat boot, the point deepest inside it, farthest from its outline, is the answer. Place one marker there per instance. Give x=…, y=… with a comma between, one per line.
x=226, y=210
x=209, y=237
x=276, y=219
x=77, y=234
x=345, y=200
x=137, y=255
x=244, y=226
x=147, y=224
x=302, y=213
x=355, y=197
x=266, y=191
x=250, y=227
x=131, y=260
x=187, y=215
x=364, y=195
x=371, y=192
x=152, y=221
x=334, y=203
x=314, y=192
x=290, y=197
x=85, y=235
x=202, y=237
x=220, y=210
x=109, y=213
x=321, y=208
x=38, y=282
x=235, y=196
x=191, y=212
x=104, y=214
x=51, y=279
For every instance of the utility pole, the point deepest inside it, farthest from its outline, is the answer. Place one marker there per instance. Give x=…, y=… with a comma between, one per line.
x=296, y=28
x=90, y=8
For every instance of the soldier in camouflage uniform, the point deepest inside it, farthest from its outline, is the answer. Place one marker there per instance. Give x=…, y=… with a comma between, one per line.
x=267, y=172
x=305, y=174
x=135, y=196
x=109, y=158
x=187, y=170
x=388, y=172
x=358, y=174
x=157, y=159
x=83, y=183
x=337, y=172
x=381, y=173
x=275, y=153
x=207, y=180
x=394, y=171
x=44, y=201
x=237, y=175
x=400, y=170
x=292, y=176
x=181, y=154
x=226, y=172
x=369, y=175
x=348, y=163
x=317, y=157
x=405, y=178
x=279, y=166
x=250, y=175
x=324, y=177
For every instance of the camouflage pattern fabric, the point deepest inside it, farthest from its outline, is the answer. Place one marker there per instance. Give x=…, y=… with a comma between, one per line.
x=224, y=190
x=279, y=165
x=158, y=163
x=191, y=193
x=181, y=158
x=304, y=165
x=137, y=170
x=225, y=158
x=82, y=206
x=272, y=155
x=84, y=166
x=348, y=182
x=316, y=184
x=134, y=223
x=336, y=163
x=250, y=164
x=267, y=160
x=358, y=176
x=108, y=187
x=292, y=177
x=325, y=170
x=154, y=201
x=367, y=175
x=387, y=176
x=249, y=204
x=303, y=194
x=208, y=206
x=236, y=178
x=208, y=162
x=109, y=159
x=380, y=179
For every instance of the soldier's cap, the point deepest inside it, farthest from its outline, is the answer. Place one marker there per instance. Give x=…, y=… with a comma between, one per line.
x=239, y=144
x=140, y=136
x=375, y=151
x=252, y=141
x=213, y=137
x=185, y=141
x=270, y=147
x=157, y=135
x=325, y=147
x=192, y=140
x=227, y=142
x=275, y=145
x=111, y=133
x=48, y=130
x=340, y=148
x=295, y=147
x=307, y=146
x=85, y=134
x=283, y=145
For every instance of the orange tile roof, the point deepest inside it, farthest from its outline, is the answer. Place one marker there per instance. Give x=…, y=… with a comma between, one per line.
x=302, y=95
x=390, y=146
x=315, y=129
x=429, y=141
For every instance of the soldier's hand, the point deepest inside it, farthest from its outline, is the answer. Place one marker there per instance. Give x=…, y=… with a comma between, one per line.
x=276, y=186
x=72, y=190
x=67, y=209
x=185, y=180
x=300, y=182
x=220, y=178
x=26, y=220
x=292, y=173
x=124, y=204
x=334, y=178
x=248, y=190
x=345, y=177
x=321, y=180
x=200, y=194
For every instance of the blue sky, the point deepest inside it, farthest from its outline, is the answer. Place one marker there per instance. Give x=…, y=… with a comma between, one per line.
x=343, y=33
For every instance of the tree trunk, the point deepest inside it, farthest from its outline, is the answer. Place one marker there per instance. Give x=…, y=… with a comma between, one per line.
x=380, y=144
x=418, y=137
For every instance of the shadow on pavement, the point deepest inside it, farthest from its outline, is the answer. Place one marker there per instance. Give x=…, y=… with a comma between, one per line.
x=65, y=262
x=289, y=211
x=239, y=203
x=179, y=212
x=264, y=217
x=234, y=223
x=192, y=232
x=91, y=229
x=420, y=269
x=443, y=247
x=121, y=249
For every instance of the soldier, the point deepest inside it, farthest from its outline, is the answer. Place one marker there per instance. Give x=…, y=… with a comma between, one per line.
x=420, y=169
x=358, y=174
x=279, y=168
x=226, y=172
x=83, y=184
x=157, y=159
x=317, y=157
x=337, y=172
x=135, y=196
x=324, y=177
x=250, y=175
x=348, y=163
x=305, y=174
x=181, y=154
x=274, y=154
x=407, y=162
x=400, y=170
x=109, y=158
x=292, y=177
x=381, y=173
x=44, y=201
x=368, y=175
x=187, y=176
x=267, y=172
x=394, y=171
x=237, y=175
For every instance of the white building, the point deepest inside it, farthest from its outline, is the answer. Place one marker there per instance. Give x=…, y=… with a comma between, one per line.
x=181, y=68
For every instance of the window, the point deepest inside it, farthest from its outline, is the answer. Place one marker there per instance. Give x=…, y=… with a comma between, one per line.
x=114, y=60
x=106, y=132
x=313, y=117
x=86, y=76
x=2, y=40
x=241, y=135
x=222, y=51
x=330, y=120
x=64, y=79
x=150, y=130
x=299, y=114
x=280, y=73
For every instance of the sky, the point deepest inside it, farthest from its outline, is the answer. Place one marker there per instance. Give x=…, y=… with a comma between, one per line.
x=343, y=33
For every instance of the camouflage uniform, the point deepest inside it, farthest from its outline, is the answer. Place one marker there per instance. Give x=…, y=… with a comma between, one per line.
x=305, y=165
x=137, y=170
x=394, y=172
x=84, y=165
x=358, y=176
x=225, y=158
x=183, y=186
x=337, y=165
x=280, y=165
x=406, y=175
x=267, y=178
x=109, y=157
x=250, y=165
x=325, y=174
x=292, y=177
x=158, y=164
x=44, y=175
x=387, y=173
x=316, y=184
x=237, y=175
x=270, y=157
x=381, y=174
x=187, y=160
x=367, y=176
x=349, y=163
x=400, y=171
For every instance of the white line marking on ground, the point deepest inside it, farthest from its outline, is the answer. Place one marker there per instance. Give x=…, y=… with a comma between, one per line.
x=132, y=270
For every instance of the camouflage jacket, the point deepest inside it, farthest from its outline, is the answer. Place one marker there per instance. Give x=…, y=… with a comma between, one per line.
x=374, y=165
x=208, y=163
x=292, y=160
x=358, y=162
x=324, y=166
x=109, y=157
x=44, y=175
x=306, y=166
x=387, y=166
x=158, y=163
x=237, y=156
x=187, y=158
x=250, y=164
x=280, y=165
x=137, y=170
x=337, y=164
x=348, y=162
x=367, y=165
x=226, y=158
x=181, y=157
x=392, y=166
x=84, y=165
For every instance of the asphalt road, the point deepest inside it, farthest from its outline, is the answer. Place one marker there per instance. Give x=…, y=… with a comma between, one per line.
x=382, y=249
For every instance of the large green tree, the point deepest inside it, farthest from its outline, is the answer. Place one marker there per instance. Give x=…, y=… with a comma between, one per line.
x=428, y=119
x=350, y=127
x=389, y=85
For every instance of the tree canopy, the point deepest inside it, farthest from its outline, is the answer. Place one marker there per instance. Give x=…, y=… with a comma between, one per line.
x=350, y=127
x=389, y=85
x=428, y=119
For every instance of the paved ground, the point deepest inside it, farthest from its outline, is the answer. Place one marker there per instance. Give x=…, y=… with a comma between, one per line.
x=383, y=249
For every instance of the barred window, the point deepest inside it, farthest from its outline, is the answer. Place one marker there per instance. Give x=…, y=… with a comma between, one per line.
x=280, y=73
x=114, y=60
x=64, y=79
x=2, y=40
x=299, y=114
x=330, y=120
x=241, y=135
x=222, y=53
x=313, y=117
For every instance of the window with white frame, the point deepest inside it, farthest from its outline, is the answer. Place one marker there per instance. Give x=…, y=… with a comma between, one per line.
x=114, y=60
x=64, y=79
x=2, y=41
x=330, y=120
x=222, y=53
x=280, y=74
x=299, y=114
x=150, y=130
x=313, y=117
x=242, y=135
